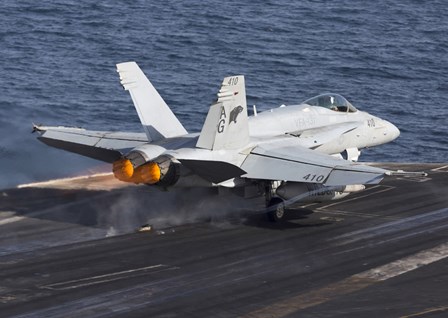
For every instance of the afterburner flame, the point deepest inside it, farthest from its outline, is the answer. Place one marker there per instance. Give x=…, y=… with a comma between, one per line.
x=123, y=170
x=148, y=173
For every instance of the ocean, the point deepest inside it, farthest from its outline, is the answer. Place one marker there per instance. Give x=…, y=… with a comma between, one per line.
x=389, y=58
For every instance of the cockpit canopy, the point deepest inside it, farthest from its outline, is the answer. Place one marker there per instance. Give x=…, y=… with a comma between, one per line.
x=331, y=101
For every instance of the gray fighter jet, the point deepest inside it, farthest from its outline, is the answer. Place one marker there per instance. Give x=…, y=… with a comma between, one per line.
x=306, y=151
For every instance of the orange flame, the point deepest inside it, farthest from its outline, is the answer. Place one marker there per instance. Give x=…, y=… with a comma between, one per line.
x=148, y=173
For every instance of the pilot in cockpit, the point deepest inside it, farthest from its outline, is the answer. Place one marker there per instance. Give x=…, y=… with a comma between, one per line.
x=335, y=102
x=332, y=104
x=327, y=101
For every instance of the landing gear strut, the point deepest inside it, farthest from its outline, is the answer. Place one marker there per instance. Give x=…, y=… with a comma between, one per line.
x=274, y=204
x=277, y=214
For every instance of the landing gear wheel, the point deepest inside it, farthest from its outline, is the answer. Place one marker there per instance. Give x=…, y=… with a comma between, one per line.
x=278, y=214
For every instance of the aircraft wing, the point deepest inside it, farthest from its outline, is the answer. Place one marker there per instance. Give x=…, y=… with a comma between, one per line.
x=101, y=145
x=285, y=160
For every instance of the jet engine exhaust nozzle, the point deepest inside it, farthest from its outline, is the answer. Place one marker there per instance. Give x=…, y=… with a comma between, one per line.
x=160, y=171
x=148, y=173
x=123, y=170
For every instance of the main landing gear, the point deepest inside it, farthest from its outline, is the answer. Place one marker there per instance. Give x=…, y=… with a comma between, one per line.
x=275, y=205
x=276, y=210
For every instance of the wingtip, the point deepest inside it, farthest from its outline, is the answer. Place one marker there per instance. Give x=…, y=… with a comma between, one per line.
x=36, y=128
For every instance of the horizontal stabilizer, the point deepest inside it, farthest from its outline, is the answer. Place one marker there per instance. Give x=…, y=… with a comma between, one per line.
x=214, y=171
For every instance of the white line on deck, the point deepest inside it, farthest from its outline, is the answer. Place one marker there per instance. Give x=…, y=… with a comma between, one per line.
x=352, y=284
x=406, y=264
x=11, y=220
x=94, y=280
x=387, y=188
x=440, y=168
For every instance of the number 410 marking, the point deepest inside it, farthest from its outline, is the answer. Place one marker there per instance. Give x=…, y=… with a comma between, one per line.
x=314, y=177
x=233, y=81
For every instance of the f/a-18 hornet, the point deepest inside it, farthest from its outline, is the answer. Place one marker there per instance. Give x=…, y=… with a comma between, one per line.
x=306, y=151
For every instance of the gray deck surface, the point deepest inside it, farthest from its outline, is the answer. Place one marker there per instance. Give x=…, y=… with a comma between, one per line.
x=379, y=253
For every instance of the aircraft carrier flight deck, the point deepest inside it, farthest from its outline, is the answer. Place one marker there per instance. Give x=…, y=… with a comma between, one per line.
x=71, y=249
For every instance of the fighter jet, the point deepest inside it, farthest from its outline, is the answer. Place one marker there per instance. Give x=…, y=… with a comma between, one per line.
x=307, y=151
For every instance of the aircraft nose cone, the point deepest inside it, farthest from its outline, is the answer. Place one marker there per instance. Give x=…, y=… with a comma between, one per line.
x=392, y=132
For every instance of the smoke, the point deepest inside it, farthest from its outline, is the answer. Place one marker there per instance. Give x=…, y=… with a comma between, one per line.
x=137, y=206
x=129, y=209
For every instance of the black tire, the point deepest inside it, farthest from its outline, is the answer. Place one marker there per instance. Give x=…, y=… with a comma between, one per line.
x=278, y=212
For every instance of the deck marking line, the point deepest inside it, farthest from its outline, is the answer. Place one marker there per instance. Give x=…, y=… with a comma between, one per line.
x=11, y=220
x=388, y=188
x=351, y=284
x=427, y=311
x=440, y=168
x=359, y=214
x=88, y=281
x=393, y=226
x=397, y=238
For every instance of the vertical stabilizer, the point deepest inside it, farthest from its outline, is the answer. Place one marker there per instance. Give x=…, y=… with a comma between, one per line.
x=226, y=125
x=156, y=117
